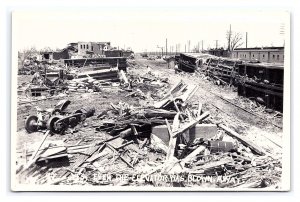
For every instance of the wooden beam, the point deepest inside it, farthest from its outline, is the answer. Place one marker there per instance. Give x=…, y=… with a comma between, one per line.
x=256, y=149
x=192, y=155
x=191, y=124
x=172, y=142
x=199, y=109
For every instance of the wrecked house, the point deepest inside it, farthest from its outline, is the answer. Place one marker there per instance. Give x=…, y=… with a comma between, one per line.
x=128, y=53
x=219, y=52
x=189, y=62
x=114, y=53
x=55, y=55
x=120, y=62
x=262, y=82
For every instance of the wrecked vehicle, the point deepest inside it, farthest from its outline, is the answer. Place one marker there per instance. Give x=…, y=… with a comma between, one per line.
x=57, y=119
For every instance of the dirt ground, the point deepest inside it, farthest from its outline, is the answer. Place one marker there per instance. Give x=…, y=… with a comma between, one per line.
x=223, y=103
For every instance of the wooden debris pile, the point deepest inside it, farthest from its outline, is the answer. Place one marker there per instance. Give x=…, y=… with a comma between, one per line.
x=137, y=146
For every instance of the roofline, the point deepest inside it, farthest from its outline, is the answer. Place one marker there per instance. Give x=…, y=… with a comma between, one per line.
x=261, y=48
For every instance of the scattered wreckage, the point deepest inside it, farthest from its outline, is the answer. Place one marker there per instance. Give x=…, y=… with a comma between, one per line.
x=261, y=82
x=140, y=142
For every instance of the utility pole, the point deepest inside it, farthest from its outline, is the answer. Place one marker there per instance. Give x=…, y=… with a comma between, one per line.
x=202, y=46
x=166, y=47
x=229, y=38
x=189, y=45
x=246, y=39
x=185, y=48
x=217, y=44
x=198, y=47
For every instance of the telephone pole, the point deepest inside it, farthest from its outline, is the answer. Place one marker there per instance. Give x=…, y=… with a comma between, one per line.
x=202, y=45
x=217, y=44
x=166, y=47
x=229, y=37
x=246, y=39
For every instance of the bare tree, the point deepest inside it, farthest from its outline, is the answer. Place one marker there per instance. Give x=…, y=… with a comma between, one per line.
x=47, y=49
x=234, y=40
x=26, y=54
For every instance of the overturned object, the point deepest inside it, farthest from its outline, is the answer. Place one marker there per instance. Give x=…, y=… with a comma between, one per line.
x=56, y=120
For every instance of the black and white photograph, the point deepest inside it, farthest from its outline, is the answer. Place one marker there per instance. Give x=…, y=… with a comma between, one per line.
x=150, y=100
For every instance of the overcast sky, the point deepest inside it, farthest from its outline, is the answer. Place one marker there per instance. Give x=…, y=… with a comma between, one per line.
x=145, y=29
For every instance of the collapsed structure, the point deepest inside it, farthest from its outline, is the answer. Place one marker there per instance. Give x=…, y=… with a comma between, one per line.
x=262, y=82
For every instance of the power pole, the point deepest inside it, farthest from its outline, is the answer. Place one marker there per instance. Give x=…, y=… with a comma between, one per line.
x=202, y=46
x=246, y=39
x=217, y=44
x=189, y=45
x=185, y=48
x=166, y=47
x=229, y=38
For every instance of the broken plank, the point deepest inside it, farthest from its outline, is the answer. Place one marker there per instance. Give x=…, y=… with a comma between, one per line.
x=245, y=141
x=124, y=77
x=152, y=113
x=172, y=142
x=214, y=164
x=82, y=159
x=192, y=155
x=115, y=151
x=199, y=109
x=191, y=124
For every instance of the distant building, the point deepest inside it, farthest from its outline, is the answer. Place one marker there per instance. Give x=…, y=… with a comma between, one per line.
x=92, y=47
x=265, y=54
x=127, y=53
x=219, y=52
x=55, y=55
x=113, y=53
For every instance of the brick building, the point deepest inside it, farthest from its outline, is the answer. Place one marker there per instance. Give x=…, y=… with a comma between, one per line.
x=93, y=47
x=265, y=54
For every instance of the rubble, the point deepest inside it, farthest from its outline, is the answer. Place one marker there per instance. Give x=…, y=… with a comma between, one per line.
x=137, y=145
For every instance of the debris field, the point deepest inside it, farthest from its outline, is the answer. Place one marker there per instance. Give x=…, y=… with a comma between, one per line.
x=147, y=125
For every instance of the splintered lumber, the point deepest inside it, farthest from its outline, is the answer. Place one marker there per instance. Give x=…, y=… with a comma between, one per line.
x=192, y=155
x=97, y=156
x=256, y=149
x=34, y=156
x=211, y=165
x=152, y=113
x=174, y=89
x=125, y=144
x=52, y=157
x=54, y=151
x=158, y=143
x=172, y=142
x=191, y=124
x=116, y=151
x=199, y=109
x=126, y=133
x=99, y=73
x=170, y=96
x=82, y=158
x=124, y=76
x=177, y=109
x=42, y=142
x=186, y=96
